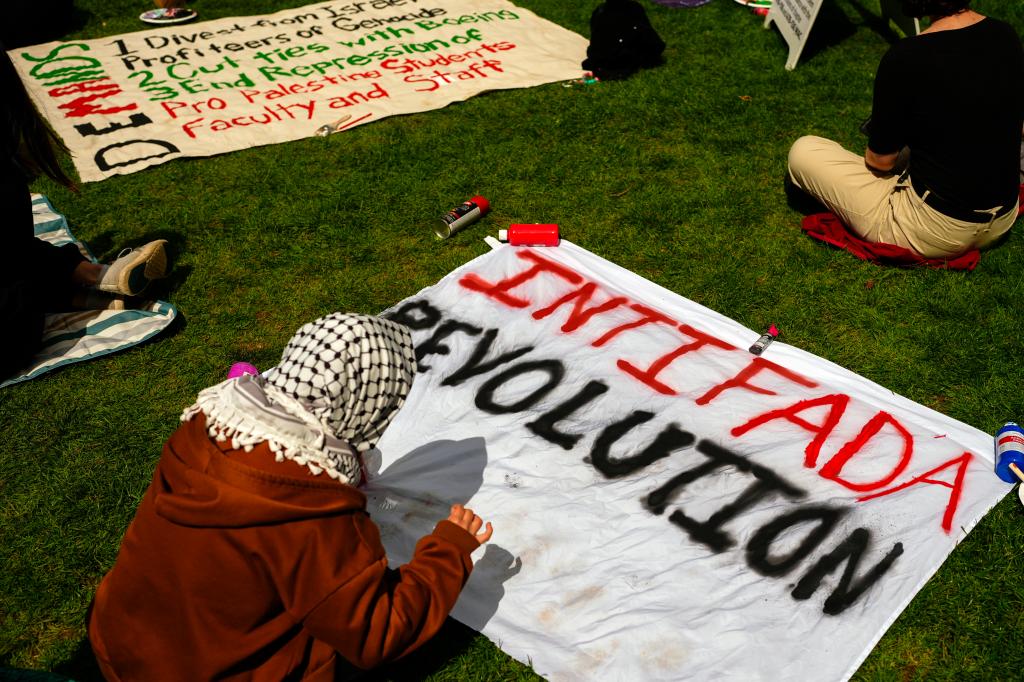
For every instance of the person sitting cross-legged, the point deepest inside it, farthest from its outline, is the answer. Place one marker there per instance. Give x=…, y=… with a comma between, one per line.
x=940, y=174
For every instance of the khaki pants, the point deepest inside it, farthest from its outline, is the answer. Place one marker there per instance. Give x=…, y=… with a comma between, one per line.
x=881, y=208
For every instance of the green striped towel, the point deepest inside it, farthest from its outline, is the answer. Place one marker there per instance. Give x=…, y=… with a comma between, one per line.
x=82, y=335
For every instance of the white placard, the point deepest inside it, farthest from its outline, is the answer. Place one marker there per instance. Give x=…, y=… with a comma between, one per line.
x=794, y=19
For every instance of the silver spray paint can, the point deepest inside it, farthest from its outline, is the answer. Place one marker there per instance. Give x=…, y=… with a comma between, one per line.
x=464, y=214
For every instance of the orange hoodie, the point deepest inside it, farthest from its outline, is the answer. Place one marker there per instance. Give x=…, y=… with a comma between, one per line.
x=237, y=567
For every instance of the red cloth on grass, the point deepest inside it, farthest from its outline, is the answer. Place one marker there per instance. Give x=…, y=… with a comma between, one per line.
x=828, y=228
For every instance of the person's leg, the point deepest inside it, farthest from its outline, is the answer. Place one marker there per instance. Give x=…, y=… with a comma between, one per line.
x=935, y=235
x=87, y=274
x=999, y=226
x=51, y=272
x=37, y=280
x=841, y=181
x=22, y=322
x=64, y=280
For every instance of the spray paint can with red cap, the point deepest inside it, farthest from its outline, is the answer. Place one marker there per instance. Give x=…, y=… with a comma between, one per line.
x=462, y=215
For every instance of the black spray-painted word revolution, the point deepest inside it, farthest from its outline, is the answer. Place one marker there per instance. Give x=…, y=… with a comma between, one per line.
x=506, y=368
x=524, y=366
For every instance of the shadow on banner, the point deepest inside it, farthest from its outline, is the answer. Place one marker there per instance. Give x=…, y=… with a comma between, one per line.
x=415, y=492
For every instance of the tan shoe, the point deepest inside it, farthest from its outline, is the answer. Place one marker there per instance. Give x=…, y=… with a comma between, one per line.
x=134, y=269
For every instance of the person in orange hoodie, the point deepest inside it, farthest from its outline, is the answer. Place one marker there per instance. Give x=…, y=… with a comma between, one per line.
x=252, y=556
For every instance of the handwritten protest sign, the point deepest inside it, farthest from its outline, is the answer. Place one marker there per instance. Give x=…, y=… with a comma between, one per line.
x=794, y=19
x=666, y=505
x=128, y=102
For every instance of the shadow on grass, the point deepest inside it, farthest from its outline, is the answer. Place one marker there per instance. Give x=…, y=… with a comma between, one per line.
x=799, y=200
x=876, y=22
x=104, y=248
x=81, y=667
x=453, y=640
x=26, y=24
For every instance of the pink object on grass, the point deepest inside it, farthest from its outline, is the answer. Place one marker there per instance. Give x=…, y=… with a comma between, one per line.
x=240, y=368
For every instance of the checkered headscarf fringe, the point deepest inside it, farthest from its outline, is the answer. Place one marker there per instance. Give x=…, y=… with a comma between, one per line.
x=340, y=382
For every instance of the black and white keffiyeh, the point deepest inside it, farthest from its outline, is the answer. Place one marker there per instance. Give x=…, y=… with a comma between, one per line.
x=340, y=382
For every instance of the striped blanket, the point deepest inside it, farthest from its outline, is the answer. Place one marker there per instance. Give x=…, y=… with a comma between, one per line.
x=82, y=335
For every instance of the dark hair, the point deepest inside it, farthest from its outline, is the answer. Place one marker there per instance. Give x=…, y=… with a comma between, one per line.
x=934, y=8
x=25, y=139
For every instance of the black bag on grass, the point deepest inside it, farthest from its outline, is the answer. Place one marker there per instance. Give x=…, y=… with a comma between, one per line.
x=622, y=40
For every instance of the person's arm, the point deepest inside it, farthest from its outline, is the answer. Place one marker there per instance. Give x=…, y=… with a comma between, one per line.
x=381, y=614
x=887, y=135
x=887, y=164
x=881, y=163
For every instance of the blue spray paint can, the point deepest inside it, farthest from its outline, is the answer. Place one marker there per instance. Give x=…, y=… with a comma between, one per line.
x=1009, y=442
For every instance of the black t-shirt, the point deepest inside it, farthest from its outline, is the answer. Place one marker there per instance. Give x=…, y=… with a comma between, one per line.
x=956, y=98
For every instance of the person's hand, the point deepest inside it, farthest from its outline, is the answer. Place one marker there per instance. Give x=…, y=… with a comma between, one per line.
x=467, y=520
x=880, y=164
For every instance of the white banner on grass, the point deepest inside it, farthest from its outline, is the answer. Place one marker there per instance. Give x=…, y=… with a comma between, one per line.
x=127, y=102
x=666, y=505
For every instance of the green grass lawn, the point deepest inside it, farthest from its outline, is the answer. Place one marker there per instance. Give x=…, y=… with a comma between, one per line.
x=675, y=174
